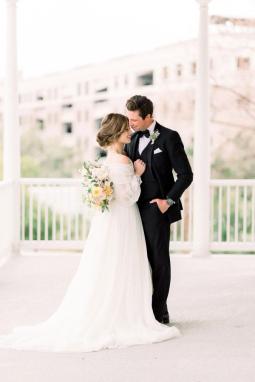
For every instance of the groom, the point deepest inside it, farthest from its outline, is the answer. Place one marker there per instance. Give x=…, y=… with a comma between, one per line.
x=161, y=149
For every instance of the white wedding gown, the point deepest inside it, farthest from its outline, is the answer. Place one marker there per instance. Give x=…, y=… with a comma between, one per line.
x=108, y=302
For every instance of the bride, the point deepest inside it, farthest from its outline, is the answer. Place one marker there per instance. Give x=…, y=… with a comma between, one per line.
x=108, y=302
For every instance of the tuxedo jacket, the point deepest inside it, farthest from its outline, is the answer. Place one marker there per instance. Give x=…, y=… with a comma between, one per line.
x=166, y=155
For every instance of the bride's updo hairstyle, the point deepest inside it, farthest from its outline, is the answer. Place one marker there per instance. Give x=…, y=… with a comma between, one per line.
x=112, y=126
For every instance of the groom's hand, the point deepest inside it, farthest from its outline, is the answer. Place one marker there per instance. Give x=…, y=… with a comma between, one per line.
x=163, y=205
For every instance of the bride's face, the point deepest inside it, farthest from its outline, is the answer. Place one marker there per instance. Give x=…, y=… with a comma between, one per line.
x=125, y=136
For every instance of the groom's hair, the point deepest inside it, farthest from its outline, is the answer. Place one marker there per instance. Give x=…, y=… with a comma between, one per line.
x=140, y=103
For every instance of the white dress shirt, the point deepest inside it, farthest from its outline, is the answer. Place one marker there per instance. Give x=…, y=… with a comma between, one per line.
x=144, y=141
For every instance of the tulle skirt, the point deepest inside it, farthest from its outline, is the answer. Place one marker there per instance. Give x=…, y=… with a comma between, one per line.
x=107, y=304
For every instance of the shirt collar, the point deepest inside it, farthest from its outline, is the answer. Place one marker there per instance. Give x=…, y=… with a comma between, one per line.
x=152, y=126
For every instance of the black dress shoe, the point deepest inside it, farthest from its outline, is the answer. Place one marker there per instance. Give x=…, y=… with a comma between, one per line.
x=165, y=319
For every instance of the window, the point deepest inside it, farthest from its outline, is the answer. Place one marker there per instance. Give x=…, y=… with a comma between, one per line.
x=98, y=123
x=68, y=127
x=179, y=70
x=145, y=79
x=193, y=68
x=67, y=106
x=40, y=124
x=101, y=100
x=126, y=80
x=243, y=63
x=39, y=97
x=101, y=90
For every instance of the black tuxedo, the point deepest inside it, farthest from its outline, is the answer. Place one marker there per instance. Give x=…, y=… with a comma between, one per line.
x=158, y=182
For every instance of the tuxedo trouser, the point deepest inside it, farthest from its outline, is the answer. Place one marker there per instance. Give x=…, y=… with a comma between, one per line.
x=157, y=235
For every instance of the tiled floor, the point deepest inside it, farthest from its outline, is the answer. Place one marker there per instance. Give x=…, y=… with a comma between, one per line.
x=212, y=301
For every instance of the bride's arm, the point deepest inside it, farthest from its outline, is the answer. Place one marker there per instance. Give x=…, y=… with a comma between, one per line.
x=127, y=182
x=128, y=190
x=127, y=179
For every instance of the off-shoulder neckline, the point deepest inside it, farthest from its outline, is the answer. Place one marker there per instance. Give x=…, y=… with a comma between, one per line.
x=117, y=163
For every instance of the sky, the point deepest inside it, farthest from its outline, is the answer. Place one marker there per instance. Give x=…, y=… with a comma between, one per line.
x=55, y=35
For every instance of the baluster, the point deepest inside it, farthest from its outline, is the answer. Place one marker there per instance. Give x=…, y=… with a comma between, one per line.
x=228, y=214
x=30, y=188
x=253, y=214
x=39, y=206
x=245, y=214
x=236, y=213
x=46, y=209
x=220, y=215
x=23, y=211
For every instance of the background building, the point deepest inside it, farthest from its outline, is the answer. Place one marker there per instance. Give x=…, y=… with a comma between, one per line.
x=69, y=105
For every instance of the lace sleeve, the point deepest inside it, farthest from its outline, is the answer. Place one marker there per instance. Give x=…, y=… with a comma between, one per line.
x=126, y=184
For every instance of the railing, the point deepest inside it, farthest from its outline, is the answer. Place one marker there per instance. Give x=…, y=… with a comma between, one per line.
x=53, y=216
x=233, y=215
x=5, y=219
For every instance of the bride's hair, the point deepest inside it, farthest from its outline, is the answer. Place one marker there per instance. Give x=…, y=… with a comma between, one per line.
x=112, y=126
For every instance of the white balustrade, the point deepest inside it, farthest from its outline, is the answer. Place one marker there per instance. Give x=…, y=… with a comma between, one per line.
x=233, y=215
x=53, y=216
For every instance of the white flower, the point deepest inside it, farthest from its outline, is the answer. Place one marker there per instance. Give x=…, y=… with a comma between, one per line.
x=154, y=135
x=82, y=171
x=97, y=186
x=99, y=172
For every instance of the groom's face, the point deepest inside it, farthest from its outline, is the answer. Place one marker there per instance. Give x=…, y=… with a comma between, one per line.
x=136, y=122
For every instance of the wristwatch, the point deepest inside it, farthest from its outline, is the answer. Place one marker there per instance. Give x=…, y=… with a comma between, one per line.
x=170, y=201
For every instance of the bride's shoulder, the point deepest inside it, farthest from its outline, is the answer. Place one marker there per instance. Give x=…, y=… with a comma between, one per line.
x=124, y=159
x=118, y=159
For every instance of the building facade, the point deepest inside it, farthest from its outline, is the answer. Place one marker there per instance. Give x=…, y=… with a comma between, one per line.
x=70, y=105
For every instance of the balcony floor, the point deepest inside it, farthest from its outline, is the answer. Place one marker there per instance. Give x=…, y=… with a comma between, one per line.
x=211, y=301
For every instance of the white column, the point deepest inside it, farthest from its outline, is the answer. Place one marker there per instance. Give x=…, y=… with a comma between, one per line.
x=201, y=165
x=11, y=134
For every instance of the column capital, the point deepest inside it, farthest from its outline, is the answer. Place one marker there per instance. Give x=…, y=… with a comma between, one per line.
x=203, y=3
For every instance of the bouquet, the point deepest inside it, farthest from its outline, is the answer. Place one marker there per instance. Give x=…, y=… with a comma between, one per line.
x=97, y=186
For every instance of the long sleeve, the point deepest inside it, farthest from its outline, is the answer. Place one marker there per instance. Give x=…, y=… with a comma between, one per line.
x=126, y=184
x=180, y=165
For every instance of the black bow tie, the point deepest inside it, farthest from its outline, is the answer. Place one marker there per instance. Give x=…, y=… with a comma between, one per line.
x=144, y=133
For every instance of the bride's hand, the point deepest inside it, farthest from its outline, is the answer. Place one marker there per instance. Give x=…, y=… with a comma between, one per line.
x=139, y=167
